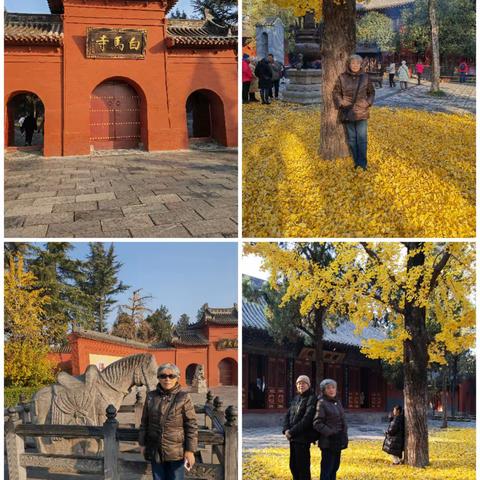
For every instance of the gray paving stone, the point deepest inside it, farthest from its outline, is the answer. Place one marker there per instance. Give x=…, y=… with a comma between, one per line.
x=37, y=194
x=162, y=231
x=118, y=202
x=177, y=216
x=27, y=210
x=212, y=212
x=144, y=209
x=66, y=229
x=34, y=231
x=54, y=200
x=99, y=214
x=95, y=196
x=131, y=221
x=62, y=217
x=163, y=198
x=13, y=222
x=199, y=229
x=75, y=207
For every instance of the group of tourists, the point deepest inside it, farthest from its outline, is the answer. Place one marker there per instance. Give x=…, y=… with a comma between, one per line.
x=403, y=74
x=263, y=76
x=311, y=419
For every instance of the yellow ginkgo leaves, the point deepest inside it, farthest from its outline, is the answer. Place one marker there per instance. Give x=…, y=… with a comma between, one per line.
x=420, y=180
x=452, y=457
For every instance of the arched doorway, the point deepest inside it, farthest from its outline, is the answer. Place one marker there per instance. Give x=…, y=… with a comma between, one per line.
x=227, y=372
x=205, y=117
x=190, y=373
x=115, y=116
x=26, y=120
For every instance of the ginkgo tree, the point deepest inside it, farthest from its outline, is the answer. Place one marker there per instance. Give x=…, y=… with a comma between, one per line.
x=338, y=42
x=400, y=284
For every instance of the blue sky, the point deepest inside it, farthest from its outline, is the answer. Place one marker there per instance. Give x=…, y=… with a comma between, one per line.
x=182, y=275
x=41, y=6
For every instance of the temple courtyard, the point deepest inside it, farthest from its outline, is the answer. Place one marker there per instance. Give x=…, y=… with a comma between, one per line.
x=189, y=193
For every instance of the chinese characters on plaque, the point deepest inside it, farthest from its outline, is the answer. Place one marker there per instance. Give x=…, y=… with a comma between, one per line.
x=116, y=43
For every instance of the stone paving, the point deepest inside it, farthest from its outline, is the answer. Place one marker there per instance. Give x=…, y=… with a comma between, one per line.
x=190, y=193
x=459, y=98
x=266, y=437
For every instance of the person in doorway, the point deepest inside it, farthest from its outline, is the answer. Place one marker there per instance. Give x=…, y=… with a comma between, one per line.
x=298, y=428
x=168, y=431
x=330, y=423
x=353, y=95
x=277, y=72
x=403, y=75
x=28, y=126
x=463, y=70
x=395, y=435
x=392, y=70
x=265, y=75
x=246, y=78
x=419, y=68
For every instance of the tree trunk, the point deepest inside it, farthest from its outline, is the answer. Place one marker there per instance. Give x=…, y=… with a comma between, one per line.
x=453, y=385
x=415, y=370
x=338, y=43
x=444, y=399
x=432, y=13
x=319, y=315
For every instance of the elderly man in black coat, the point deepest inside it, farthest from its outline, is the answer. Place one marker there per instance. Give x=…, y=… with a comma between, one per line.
x=264, y=73
x=395, y=435
x=330, y=423
x=298, y=429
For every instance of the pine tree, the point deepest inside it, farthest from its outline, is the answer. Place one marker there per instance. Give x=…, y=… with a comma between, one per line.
x=160, y=322
x=60, y=276
x=183, y=323
x=124, y=326
x=137, y=309
x=201, y=311
x=221, y=12
x=101, y=282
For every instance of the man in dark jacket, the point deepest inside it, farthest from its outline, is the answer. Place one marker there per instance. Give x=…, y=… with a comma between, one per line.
x=168, y=432
x=330, y=423
x=264, y=73
x=298, y=429
x=395, y=435
x=29, y=126
x=353, y=95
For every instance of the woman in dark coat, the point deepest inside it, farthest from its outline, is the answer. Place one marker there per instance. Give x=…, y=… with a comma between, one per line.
x=353, y=95
x=298, y=429
x=168, y=432
x=330, y=423
x=264, y=73
x=395, y=435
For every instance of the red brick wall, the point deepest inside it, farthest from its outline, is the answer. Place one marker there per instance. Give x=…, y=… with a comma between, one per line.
x=164, y=79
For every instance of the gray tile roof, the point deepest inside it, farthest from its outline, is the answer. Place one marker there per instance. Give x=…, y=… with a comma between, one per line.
x=383, y=4
x=253, y=315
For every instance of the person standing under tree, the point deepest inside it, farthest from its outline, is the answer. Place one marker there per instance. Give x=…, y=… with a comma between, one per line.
x=265, y=74
x=463, y=70
x=247, y=76
x=353, y=95
x=394, y=442
x=168, y=431
x=277, y=70
x=391, y=70
x=298, y=428
x=419, y=68
x=330, y=423
x=403, y=75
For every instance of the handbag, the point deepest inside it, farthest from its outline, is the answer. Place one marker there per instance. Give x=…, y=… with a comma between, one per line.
x=346, y=113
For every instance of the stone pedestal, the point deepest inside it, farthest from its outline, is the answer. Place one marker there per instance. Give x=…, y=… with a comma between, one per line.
x=305, y=87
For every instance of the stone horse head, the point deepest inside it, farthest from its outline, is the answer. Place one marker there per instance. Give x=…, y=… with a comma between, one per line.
x=83, y=399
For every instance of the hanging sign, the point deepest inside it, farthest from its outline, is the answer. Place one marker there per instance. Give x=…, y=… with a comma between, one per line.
x=128, y=43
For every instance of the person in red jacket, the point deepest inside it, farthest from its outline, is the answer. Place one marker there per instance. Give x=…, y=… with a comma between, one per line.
x=247, y=76
x=419, y=67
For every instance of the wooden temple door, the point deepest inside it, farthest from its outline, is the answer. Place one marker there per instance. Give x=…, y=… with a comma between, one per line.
x=114, y=116
x=354, y=387
x=376, y=390
x=226, y=373
x=276, y=379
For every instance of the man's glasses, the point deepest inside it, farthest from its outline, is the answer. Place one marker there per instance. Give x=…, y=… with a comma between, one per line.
x=163, y=376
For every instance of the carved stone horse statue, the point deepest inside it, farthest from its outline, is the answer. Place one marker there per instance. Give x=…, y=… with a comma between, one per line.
x=83, y=399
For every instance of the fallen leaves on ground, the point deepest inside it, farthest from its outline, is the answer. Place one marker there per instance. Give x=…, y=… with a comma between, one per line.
x=452, y=457
x=420, y=180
